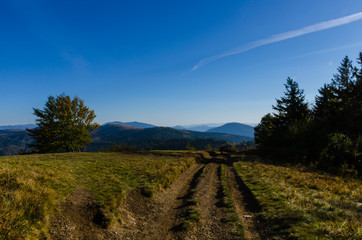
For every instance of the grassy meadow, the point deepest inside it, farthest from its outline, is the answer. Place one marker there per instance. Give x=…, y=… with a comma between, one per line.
x=305, y=205
x=33, y=186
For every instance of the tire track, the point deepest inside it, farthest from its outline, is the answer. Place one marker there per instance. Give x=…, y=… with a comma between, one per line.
x=154, y=219
x=247, y=209
x=211, y=225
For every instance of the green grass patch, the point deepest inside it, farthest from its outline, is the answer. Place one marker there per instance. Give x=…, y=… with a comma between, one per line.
x=305, y=205
x=190, y=218
x=228, y=203
x=33, y=186
x=193, y=215
x=192, y=202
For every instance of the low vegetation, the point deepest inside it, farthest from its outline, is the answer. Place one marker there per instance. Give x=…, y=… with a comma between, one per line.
x=305, y=205
x=228, y=203
x=191, y=215
x=33, y=186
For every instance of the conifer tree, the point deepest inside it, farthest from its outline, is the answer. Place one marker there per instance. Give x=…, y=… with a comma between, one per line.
x=64, y=125
x=357, y=101
x=343, y=80
x=292, y=106
x=335, y=106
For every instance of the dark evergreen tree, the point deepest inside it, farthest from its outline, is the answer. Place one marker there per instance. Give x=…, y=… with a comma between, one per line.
x=335, y=106
x=292, y=106
x=357, y=102
x=343, y=80
x=264, y=132
x=329, y=137
x=324, y=102
x=278, y=135
x=64, y=125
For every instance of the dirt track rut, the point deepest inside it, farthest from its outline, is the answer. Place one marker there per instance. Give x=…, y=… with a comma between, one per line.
x=211, y=225
x=246, y=210
x=145, y=218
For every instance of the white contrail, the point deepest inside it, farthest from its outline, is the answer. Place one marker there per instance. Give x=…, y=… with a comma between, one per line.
x=283, y=36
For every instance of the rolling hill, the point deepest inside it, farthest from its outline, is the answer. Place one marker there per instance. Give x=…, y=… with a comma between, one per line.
x=14, y=141
x=235, y=129
x=157, y=138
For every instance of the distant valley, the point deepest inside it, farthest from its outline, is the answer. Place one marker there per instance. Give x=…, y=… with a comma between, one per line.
x=14, y=139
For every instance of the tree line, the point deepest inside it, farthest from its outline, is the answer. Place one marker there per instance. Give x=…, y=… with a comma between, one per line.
x=327, y=134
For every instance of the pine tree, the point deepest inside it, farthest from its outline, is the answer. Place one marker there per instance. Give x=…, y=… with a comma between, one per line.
x=64, y=125
x=343, y=80
x=335, y=106
x=357, y=101
x=324, y=101
x=291, y=107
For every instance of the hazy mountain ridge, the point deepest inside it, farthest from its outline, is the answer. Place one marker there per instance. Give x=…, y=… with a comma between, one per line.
x=198, y=127
x=13, y=127
x=109, y=135
x=15, y=141
x=134, y=124
x=235, y=129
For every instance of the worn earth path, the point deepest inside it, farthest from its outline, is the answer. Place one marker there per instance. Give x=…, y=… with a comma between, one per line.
x=211, y=225
x=247, y=207
x=145, y=218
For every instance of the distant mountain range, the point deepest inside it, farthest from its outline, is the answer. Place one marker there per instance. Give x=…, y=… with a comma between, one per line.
x=198, y=128
x=110, y=134
x=134, y=124
x=25, y=126
x=141, y=135
x=228, y=128
x=234, y=128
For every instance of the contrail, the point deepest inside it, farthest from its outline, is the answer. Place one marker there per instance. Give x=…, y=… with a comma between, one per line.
x=283, y=36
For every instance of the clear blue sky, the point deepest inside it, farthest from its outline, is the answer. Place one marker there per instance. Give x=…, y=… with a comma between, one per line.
x=133, y=60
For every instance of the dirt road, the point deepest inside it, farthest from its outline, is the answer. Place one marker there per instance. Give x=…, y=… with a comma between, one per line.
x=159, y=218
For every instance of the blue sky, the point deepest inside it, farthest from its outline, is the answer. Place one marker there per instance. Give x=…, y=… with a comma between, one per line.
x=135, y=60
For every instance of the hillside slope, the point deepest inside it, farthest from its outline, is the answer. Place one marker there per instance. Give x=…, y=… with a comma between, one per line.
x=13, y=141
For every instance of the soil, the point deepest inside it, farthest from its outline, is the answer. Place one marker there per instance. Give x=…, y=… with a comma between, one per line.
x=156, y=218
x=211, y=225
x=76, y=219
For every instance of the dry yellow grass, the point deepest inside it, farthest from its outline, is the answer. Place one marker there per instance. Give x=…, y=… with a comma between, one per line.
x=32, y=186
x=303, y=204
